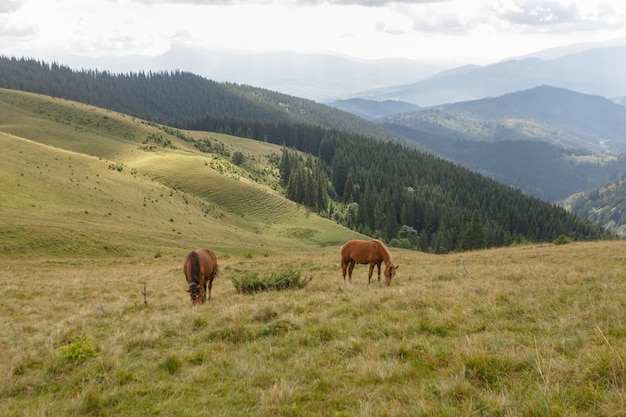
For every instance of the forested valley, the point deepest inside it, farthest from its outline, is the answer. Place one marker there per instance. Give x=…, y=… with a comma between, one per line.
x=381, y=188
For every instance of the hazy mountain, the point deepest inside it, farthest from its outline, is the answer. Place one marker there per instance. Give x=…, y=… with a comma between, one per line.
x=372, y=110
x=598, y=123
x=549, y=114
x=599, y=71
x=620, y=100
x=314, y=76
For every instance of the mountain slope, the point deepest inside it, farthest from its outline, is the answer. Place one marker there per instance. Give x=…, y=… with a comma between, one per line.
x=538, y=168
x=605, y=205
x=177, y=98
x=108, y=183
x=547, y=141
x=596, y=121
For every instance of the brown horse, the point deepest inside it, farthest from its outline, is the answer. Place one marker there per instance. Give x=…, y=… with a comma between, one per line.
x=200, y=268
x=371, y=252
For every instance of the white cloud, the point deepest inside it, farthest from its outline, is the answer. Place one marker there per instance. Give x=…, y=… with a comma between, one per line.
x=471, y=31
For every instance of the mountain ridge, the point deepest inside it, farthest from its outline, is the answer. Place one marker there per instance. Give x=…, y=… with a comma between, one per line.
x=466, y=83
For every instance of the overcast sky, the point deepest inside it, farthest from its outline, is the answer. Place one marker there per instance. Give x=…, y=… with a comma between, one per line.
x=469, y=31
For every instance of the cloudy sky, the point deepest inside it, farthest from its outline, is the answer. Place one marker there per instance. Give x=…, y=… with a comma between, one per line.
x=470, y=31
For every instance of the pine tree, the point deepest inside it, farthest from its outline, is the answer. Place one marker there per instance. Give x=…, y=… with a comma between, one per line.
x=473, y=236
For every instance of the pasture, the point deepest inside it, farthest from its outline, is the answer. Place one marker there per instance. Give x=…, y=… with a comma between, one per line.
x=91, y=216
x=529, y=330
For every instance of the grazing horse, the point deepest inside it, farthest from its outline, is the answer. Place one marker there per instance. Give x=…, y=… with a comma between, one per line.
x=371, y=252
x=200, y=268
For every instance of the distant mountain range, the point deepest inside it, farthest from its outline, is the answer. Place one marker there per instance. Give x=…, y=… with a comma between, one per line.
x=555, y=115
x=372, y=110
x=598, y=71
x=595, y=68
x=317, y=77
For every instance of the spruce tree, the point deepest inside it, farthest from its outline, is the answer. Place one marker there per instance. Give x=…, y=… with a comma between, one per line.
x=473, y=236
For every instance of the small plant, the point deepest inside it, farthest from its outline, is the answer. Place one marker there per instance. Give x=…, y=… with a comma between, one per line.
x=80, y=348
x=116, y=166
x=252, y=283
x=171, y=364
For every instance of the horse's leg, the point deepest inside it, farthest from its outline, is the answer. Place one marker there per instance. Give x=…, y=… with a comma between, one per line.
x=378, y=265
x=369, y=276
x=350, y=268
x=344, y=269
x=210, y=286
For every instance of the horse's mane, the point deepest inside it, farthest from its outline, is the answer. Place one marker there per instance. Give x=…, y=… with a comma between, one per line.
x=385, y=250
x=195, y=267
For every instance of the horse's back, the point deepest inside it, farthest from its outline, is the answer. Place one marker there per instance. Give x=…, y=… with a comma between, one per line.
x=350, y=247
x=208, y=260
x=361, y=251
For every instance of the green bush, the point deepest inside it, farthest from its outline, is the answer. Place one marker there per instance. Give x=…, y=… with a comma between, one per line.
x=252, y=283
x=562, y=240
x=80, y=348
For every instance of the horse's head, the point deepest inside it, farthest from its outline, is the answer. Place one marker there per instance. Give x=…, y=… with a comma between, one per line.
x=196, y=293
x=390, y=272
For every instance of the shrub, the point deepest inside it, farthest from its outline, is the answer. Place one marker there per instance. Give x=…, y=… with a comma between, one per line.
x=562, y=240
x=238, y=158
x=80, y=348
x=252, y=283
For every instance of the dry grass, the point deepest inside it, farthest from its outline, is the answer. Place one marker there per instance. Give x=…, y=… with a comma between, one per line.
x=531, y=330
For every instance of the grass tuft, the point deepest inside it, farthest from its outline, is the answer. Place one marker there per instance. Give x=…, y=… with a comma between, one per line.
x=288, y=279
x=172, y=364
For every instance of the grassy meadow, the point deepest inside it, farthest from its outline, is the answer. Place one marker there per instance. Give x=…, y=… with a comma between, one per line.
x=94, y=228
x=526, y=331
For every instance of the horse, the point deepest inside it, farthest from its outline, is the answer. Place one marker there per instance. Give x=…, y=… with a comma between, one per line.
x=371, y=252
x=200, y=268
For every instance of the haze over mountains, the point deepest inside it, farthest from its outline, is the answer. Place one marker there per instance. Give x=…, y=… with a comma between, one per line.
x=591, y=69
x=598, y=71
x=317, y=77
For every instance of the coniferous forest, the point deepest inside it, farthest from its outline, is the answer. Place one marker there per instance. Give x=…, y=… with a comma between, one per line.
x=381, y=188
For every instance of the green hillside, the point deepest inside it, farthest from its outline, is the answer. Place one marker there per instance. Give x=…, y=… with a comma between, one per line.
x=78, y=180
